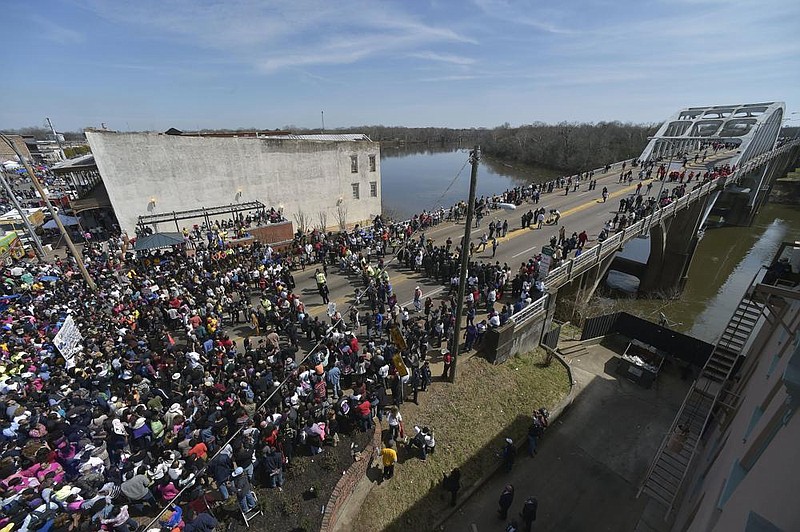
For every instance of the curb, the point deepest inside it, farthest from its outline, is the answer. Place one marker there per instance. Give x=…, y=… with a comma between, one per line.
x=346, y=485
x=465, y=495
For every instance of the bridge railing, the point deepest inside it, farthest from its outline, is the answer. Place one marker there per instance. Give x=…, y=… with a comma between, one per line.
x=534, y=308
x=573, y=267
x=585, y=260
x=610, y=245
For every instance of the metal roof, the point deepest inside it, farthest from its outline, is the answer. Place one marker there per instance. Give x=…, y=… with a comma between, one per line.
x=83, y=160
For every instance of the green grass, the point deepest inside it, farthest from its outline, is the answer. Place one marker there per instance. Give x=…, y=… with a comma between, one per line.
x=471, y=419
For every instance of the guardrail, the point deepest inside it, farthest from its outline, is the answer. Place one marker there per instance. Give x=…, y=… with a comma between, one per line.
x=573, y=267
x=534, y=308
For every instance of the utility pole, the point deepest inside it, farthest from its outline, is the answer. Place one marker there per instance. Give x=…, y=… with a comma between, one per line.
x=38, y=186
x=37, y=244
x=474, y=158
x=58, y=141
x=323, y=120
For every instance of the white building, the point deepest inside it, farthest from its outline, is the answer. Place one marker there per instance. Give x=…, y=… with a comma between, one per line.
x=318, y=180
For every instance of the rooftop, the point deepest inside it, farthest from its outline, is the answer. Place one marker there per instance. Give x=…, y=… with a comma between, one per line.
x=337, y=137
x=83, y=160
x=265, y=134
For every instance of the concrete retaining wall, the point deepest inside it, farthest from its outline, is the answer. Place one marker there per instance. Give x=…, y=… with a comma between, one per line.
x=147, y=173
x=504, y=342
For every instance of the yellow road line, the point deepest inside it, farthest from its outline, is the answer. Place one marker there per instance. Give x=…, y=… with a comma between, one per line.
x=576, y=209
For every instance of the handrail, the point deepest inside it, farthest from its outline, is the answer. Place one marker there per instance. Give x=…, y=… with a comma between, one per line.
x=535, y=306
x=666, y=439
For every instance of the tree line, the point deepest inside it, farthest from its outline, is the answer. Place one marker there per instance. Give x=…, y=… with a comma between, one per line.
x=567, y=146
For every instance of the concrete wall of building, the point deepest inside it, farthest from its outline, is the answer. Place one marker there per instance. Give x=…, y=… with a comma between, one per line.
x=8, y=154
x=768, y=483
x=148, y=173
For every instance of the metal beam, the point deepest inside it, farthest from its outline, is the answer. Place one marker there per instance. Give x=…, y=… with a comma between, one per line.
x=203, y=212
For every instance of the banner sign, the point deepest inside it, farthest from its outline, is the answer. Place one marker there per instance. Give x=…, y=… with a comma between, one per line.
x=68, y=341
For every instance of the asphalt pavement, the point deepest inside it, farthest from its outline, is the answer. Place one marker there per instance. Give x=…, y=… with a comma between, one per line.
x=591, y=460
x=581, y=210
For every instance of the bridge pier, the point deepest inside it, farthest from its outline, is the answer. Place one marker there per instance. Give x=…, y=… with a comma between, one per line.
x=672, y=246
x=575, y=295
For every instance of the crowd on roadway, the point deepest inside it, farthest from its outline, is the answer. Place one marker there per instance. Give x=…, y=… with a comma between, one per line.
x=160, y=398
x=162, y=404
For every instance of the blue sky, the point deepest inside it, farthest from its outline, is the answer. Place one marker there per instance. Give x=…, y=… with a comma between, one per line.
x=152, y=64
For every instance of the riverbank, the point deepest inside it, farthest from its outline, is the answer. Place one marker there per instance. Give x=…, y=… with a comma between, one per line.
x=786, y=190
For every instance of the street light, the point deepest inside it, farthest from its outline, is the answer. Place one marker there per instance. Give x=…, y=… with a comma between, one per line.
x=53, y=213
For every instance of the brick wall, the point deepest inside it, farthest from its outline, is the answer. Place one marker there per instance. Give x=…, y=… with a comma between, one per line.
x=347, y=484
x=272, y=233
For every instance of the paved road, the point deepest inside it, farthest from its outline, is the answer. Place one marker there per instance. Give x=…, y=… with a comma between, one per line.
x=581, y=210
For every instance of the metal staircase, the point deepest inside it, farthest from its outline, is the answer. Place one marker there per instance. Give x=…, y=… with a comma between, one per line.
x=668, y=470
x=733, y=340
x=671, y=463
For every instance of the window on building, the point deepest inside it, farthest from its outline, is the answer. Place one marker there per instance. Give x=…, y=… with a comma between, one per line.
x=757, y=413
x=372, y=164
x=354, y=164
x=356, y=192
x=373, y=189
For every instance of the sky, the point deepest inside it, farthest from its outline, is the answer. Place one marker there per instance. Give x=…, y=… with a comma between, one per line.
x=191, y=64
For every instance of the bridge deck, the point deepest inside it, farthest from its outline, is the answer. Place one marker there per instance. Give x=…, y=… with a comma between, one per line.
x=580, y=210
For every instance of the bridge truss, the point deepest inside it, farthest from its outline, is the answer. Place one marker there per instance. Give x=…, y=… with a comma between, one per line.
x=753, y=127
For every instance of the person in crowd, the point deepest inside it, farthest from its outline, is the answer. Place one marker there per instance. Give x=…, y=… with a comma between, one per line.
x=388, y=459
x=505, y=501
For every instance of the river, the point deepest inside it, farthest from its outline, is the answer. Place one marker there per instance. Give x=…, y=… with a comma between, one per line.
x=417, y=178
x=724, y=264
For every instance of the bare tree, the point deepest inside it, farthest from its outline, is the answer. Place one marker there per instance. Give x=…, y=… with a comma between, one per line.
x=322, y=216
x=341, y=216
x=303, y=220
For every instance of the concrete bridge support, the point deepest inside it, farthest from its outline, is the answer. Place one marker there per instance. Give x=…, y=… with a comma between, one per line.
x=574, y=296
x=672, y=245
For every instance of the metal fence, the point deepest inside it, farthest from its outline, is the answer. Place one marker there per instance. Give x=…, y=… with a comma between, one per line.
x=599, y=326
x=550, y=338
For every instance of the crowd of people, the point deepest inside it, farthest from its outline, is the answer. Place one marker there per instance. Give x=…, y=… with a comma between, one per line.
x=161, y=400
x=163, y=405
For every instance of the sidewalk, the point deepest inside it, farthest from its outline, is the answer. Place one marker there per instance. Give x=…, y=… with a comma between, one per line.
x=591, y=460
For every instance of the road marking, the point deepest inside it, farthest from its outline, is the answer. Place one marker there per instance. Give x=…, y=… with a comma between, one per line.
x=576, y=209
x=523, y=252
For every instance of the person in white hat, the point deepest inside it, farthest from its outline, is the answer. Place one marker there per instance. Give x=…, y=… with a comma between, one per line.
x=509, y=454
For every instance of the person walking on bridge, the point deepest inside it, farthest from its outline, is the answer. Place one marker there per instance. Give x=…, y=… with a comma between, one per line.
x=418, y=299
x=605, y=194
x=528, y=513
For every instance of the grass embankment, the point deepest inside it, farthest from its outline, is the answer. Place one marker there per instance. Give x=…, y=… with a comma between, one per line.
x=471, y=419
